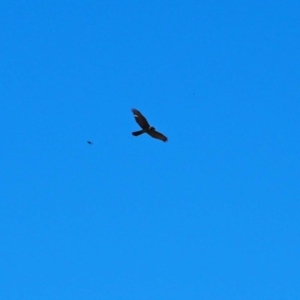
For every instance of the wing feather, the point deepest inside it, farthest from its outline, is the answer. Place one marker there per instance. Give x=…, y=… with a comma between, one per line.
x=140, y=119
x=157, y=135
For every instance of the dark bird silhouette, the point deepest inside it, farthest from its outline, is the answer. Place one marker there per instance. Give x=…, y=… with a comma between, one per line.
x=90, y=143
x=146, y=128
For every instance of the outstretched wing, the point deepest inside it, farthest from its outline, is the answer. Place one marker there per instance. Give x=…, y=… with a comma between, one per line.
x=157, y=135
x=140, y=119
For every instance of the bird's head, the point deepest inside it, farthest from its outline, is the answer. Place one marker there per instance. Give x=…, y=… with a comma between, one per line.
x=151, y=128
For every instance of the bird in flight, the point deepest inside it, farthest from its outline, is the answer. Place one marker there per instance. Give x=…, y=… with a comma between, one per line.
x=90, y=143
x=146, y=128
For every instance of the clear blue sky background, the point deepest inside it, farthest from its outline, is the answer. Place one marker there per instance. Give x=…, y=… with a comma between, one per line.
x=211, y=214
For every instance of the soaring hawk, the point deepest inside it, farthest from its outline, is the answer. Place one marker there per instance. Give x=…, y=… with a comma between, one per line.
x=146, y=128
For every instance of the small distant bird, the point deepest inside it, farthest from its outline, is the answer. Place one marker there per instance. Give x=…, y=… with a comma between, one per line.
x=146, y=128
x=90, y=143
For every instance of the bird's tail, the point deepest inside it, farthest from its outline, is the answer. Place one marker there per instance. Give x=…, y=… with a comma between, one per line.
x=139, y=132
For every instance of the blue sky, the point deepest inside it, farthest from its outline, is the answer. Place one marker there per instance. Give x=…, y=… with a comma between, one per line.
x=211, y=214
